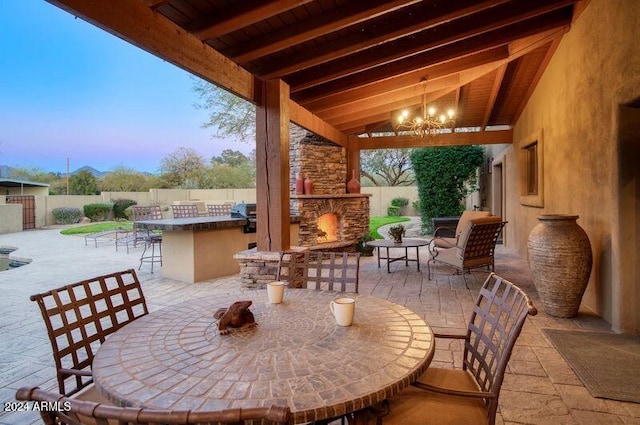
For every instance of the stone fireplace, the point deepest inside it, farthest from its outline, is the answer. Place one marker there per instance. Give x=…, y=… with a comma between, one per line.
x=329, y=217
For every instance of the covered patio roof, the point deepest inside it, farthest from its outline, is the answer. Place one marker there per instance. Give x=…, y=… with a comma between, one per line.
x=344, y=69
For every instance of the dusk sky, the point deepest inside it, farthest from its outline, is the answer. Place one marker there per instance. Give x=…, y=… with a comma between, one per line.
x=71, y=90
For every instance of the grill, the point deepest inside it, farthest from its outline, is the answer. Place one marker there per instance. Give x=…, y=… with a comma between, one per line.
x=247, y=211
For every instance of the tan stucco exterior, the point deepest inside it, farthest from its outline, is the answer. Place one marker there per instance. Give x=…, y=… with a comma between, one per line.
x=575, y=107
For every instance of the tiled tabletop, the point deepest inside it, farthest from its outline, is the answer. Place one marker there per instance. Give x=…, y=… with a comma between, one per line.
x=175, y=358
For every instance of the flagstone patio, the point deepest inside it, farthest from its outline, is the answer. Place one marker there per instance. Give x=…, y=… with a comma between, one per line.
x=539, y=388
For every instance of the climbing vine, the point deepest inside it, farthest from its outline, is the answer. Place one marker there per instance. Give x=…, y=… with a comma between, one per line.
x=445, y=176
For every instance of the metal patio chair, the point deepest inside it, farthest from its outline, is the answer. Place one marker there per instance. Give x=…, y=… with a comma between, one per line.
x=64, y=410
x=469, y=395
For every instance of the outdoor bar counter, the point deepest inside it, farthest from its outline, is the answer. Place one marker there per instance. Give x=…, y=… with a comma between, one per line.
x=202, y=248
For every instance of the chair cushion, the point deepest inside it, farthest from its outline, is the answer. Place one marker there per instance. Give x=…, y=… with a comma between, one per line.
x=462, y=239
x=445, y=242
x=469, y=215
x=417, y=406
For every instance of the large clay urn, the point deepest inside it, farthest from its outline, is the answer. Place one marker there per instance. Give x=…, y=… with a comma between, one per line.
x=560, y=260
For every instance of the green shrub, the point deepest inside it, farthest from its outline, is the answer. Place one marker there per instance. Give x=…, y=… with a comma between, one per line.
x=66, y=215
x=393, y=211
x=399, y=202
x=100, y=211
x=120, y=206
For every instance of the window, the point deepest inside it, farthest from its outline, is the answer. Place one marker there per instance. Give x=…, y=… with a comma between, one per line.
x=531, y=171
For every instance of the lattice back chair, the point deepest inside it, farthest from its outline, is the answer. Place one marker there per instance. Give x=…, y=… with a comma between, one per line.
x=475, y=246
x=495, y=324
x=333, y=271
x=70, y=411
x=80, y=316
x=138, y=213
x=219, y=209
x=185, y=211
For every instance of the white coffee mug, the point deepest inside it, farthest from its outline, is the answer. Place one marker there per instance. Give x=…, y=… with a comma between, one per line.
x=343, y=309
x=275, y=291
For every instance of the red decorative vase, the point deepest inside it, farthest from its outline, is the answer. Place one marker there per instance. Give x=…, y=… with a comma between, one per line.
x=354, y=185
x=299, y=184
x=308, y=186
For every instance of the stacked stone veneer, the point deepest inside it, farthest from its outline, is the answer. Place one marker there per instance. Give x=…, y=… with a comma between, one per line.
x=326, y=164
x=352, y=212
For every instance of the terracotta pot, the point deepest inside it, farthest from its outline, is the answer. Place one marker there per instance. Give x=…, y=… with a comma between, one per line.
x=299, y=184
x=560, y=260
x=308, y=186
x=354, y=185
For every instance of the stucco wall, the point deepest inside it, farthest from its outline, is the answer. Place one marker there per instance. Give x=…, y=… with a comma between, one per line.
x=595, y=68
x=11, y=218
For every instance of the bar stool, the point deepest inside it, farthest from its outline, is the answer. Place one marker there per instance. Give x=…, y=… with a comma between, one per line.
x=152, y=257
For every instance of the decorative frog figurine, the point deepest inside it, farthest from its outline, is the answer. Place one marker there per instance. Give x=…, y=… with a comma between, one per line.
x=237, y=315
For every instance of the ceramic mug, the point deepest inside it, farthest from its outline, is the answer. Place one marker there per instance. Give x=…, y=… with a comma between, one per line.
x=275, y=291
x=343, y=310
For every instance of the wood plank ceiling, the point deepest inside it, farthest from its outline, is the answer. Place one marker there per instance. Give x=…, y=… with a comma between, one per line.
x=357, y=63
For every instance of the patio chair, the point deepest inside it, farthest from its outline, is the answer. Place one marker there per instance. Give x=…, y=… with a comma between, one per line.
x=442, y=241
x=185, y=211
x=333, y=271
x=136, y=236
x=469, y=395
x=61, y=409
x=79, y=317
x=474, y=248
x=219, y=209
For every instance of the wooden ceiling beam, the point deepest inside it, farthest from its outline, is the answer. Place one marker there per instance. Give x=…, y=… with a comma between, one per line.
x=313, y=123
x=440, y=54
x=157, y=3
x=334, y=20
x=369, y=115
x=136, y=23
x=445, y=83
x=446, y=139
x=239, y=15
x=495, y=20
x=495, y=88
x=404, y=23
x=322, y=100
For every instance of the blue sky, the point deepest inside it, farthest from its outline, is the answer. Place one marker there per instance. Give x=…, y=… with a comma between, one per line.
x=71, y=90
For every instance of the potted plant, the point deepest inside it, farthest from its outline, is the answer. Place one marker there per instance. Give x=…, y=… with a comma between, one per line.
x=397, y=232
x=362, y=247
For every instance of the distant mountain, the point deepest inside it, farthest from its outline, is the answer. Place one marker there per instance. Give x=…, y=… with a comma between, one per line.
x=6, y=172
x=96, y=173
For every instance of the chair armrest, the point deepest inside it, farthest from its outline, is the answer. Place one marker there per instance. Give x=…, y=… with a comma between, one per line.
x=441, y=229
x=472, y=394
x=449, y=336
x=75, y=372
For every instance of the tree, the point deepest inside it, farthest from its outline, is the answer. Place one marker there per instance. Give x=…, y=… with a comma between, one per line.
x=387, y=167
x=183, y=168
x=445, y=176
x=228, y=113
x=233, y=169
x=83, y=183
x=123, y=179
x=57, y=183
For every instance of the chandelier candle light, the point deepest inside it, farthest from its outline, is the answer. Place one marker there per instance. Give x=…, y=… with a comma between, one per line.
x=429, y=124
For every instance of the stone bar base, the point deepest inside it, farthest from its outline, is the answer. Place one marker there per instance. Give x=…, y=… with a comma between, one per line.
x=257, y=268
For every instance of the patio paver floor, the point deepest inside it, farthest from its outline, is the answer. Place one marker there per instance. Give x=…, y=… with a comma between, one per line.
x=539, y=387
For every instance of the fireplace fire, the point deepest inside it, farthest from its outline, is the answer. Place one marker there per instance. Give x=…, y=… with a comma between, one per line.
x=327, y=228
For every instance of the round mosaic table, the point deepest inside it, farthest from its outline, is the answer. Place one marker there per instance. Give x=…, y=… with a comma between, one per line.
x=175, y=358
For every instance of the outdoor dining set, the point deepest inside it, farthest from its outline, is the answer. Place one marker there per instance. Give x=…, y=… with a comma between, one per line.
x=247, y=357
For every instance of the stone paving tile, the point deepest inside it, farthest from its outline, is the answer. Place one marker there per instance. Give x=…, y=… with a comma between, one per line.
x=539, y=388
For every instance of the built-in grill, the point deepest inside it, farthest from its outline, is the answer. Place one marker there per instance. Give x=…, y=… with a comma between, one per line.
x=247, y=211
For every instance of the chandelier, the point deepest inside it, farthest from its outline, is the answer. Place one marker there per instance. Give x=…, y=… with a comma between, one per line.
x=429, y=124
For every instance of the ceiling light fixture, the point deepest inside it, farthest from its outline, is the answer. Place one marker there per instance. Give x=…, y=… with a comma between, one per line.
x=429, y=124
